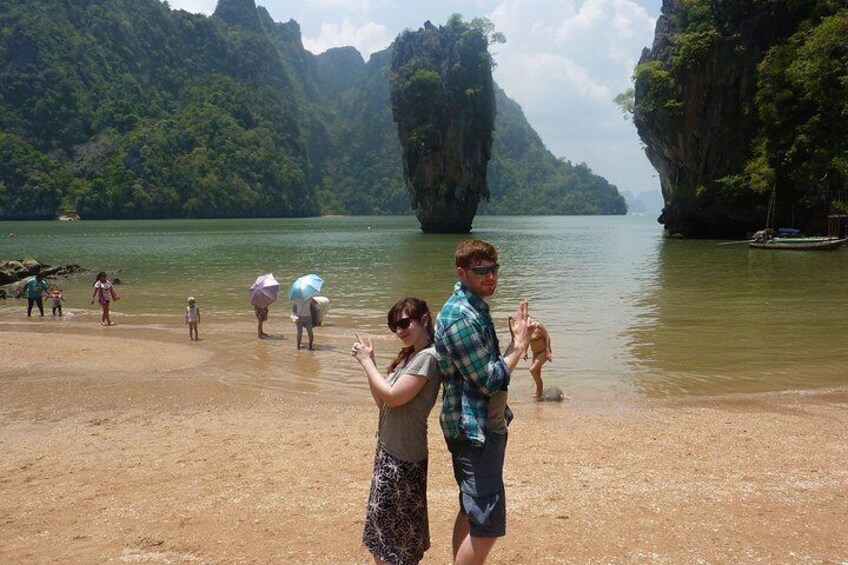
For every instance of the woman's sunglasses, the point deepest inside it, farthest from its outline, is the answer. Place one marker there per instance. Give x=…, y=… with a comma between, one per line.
x=483, y=271
x=403, y=324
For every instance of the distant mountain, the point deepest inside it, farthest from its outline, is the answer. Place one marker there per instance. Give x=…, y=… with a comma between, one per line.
x=648, y=203
x=128, y=109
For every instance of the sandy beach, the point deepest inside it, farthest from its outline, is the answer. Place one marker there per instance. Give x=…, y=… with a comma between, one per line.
x=122, y=446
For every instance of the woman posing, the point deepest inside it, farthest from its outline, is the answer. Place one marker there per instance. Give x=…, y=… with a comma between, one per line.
x=104, y=294
x=397, y=529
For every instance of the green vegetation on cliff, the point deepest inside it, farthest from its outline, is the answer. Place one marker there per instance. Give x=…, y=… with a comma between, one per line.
x=526, y=178
x=738, y=98
x=128, y=109
x=443, y=102
x=149, y=113
x=802, y=100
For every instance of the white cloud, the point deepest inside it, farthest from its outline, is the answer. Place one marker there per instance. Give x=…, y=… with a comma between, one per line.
x=548, y=77
x=194, y=6
x=349, y=5
x=564, y=61
x=367, y=38
x=609, y=32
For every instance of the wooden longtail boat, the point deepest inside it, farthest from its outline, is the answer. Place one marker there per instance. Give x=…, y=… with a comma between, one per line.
x=800, y=243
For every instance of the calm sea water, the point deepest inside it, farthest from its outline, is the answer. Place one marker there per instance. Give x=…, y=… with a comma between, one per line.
x=631, y=313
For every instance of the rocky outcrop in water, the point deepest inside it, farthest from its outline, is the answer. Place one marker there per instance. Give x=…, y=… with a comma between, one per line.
x=444, y=105
x=165, y=114
x=696, y=109
x=13, y=273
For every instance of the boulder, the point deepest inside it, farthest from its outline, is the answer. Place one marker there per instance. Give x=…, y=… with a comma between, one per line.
x=14, y=273
x=552, y=394
x=15, y=270
x=16, y=290
x=31, y=265
x=9, y=272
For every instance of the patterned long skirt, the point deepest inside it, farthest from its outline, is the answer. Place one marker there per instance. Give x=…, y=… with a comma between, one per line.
x=396, y=526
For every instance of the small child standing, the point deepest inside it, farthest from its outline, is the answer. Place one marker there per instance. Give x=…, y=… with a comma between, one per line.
x=192, y=317
x=56, y=296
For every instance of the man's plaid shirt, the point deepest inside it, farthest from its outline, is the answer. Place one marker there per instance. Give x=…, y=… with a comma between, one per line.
x=471, y=363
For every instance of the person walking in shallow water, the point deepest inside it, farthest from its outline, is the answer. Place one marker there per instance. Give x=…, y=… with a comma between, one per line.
x=35, y=288
x=56, y=297
x=302, y=311
x=397, y=528
x=104, y=293
x=261, y=318
x=475, y=414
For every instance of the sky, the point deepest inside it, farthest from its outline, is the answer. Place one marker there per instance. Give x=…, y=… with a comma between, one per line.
x=564, y=61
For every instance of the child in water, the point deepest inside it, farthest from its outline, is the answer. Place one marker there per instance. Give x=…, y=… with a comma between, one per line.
x=540, y=347
x=192, y=318
x=104, y=294
x=56, y=297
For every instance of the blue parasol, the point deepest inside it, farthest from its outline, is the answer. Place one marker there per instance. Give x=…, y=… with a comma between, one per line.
x=305, y=287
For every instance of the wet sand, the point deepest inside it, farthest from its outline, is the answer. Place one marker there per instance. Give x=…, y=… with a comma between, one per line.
x=126, y=446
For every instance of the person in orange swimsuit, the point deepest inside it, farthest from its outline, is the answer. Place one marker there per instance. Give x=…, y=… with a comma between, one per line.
x=540, y=346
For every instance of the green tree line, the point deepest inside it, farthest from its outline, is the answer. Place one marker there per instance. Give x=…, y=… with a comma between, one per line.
x=129, y=109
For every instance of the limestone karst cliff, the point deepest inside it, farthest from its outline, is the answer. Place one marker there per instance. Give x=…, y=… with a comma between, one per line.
x=724, y=114
x=443, y=102
x=130, y=109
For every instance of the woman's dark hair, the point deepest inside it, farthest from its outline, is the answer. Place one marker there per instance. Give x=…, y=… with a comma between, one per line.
x=416, y=309
x=100, y=274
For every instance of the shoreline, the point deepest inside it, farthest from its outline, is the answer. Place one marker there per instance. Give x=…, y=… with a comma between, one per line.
x=122, y=448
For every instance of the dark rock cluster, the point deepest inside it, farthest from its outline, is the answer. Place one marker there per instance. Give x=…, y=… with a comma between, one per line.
x=14, y=273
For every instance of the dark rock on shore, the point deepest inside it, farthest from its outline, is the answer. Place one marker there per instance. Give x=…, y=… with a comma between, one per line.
x=14, y=273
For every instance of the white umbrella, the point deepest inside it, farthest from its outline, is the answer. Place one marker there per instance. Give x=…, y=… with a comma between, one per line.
x=263, y=292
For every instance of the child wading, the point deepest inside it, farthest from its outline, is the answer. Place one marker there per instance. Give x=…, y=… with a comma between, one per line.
x=56, y=297
x=192, y=316
x=104, y=294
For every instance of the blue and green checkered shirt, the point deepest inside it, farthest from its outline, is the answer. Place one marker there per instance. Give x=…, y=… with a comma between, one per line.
x=471, y=363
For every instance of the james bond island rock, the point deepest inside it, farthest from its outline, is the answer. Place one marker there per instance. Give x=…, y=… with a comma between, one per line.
x=443, y=102
x=159, y=113
x=722, y=109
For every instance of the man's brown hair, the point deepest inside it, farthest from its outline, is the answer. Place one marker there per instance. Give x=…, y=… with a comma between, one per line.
x=473, y=251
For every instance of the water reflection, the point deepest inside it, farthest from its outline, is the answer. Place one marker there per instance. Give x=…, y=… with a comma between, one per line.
x=629, y=312
x=733, y=319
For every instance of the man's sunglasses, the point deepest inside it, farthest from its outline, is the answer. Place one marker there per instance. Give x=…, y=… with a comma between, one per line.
x=403, y=324
x=483, y=271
